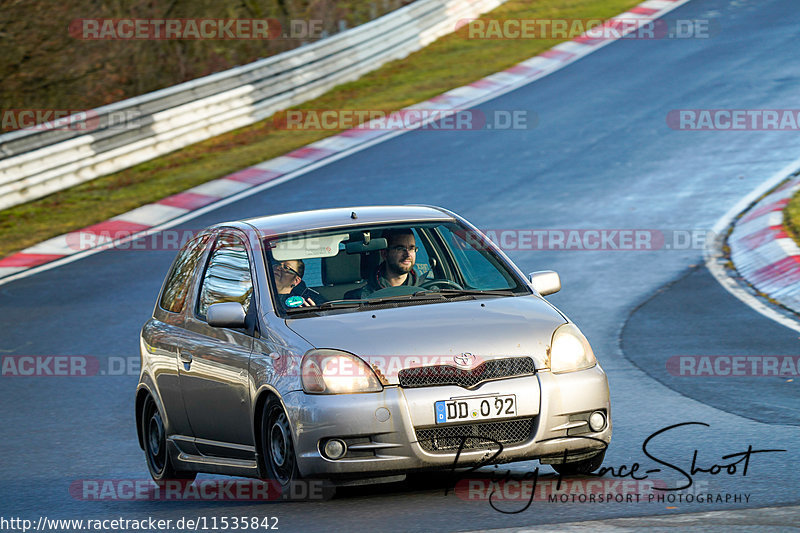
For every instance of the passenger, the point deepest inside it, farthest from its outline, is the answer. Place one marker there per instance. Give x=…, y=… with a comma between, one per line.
x=292, y=290
x=396, y=267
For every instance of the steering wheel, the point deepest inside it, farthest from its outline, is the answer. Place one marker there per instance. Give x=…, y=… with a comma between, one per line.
x=439, y=283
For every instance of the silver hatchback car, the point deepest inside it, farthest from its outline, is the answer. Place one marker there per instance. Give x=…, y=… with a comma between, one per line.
x=361, y=343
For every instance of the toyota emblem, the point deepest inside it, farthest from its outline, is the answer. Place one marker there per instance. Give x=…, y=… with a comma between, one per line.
x=464, y=359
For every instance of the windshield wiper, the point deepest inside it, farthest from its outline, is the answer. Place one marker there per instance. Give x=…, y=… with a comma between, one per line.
x=347, y=304
x=420, y=295
x=426, y=295
x=337, y=304
x=471, y=292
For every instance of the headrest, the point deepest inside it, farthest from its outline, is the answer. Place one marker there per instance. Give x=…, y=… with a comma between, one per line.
x=341, y=268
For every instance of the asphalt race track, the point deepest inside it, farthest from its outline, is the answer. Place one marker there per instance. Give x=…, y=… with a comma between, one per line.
x=601, y=157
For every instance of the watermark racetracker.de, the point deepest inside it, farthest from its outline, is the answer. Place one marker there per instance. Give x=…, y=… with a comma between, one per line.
x=525, y=239
x=406, y=119
x=246, y=490
x=734, y=119
x=214, y=29
x=141, y=523
x=72, y=366
x=787, y=366
x=81, y=120
x=562, y=28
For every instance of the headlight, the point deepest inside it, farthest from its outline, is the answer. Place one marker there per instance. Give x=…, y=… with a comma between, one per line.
x=569, y=350
x=335, y=372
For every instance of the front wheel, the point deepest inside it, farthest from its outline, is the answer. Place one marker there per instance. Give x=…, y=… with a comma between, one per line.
x=277, y=444
x=155, y=446
x=584, y=466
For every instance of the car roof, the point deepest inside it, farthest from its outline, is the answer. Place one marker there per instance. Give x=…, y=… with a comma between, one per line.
x=343, y=217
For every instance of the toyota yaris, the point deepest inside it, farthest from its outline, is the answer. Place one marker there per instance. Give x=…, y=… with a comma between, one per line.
x=361, y=343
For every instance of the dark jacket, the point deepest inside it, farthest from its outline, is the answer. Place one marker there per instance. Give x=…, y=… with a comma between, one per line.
x=302, y=290
x=376, y=282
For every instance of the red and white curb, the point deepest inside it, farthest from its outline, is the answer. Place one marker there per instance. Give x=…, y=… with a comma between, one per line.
x=762, y=252
x=257, y=178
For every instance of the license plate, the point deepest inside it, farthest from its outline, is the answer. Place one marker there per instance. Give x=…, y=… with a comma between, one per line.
x=487, y=407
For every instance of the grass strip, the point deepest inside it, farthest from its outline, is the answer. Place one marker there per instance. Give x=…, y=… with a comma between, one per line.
x=791, y=217
x=451, y=61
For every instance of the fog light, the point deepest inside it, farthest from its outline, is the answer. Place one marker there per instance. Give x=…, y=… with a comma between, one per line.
x=597, y=421
x=335, y=449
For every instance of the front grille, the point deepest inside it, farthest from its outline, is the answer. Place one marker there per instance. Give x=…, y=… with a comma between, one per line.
x=482, y=435
x=427, y=376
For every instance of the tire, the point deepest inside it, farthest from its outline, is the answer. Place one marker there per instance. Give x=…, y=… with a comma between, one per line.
x=584, y=466
x=154, y=437
x=277, y=446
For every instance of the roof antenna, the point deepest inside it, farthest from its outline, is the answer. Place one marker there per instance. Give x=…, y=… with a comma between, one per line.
x=353, y=215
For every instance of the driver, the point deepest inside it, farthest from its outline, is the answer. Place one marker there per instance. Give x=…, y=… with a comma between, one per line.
x=292, y=290
x=397, y=267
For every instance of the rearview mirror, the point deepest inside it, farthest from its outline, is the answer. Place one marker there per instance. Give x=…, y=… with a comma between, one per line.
x=545, y=282
x=226, y=315
x=359, y=247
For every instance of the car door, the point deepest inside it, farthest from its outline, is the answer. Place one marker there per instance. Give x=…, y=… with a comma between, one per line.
x=214, y=361
x=164, y=334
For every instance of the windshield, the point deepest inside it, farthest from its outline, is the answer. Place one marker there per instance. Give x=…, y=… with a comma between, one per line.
x=360, y=268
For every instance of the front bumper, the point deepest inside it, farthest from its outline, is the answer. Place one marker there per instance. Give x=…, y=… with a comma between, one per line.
x=381, y=429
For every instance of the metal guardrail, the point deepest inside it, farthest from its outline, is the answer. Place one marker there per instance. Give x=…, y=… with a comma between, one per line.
x=38, y=162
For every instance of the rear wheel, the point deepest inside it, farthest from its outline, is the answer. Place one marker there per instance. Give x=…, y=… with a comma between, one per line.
x=155, y=446
x=584, y=466
x=277, y=444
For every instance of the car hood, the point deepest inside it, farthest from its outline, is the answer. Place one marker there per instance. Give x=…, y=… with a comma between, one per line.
x=433, y=333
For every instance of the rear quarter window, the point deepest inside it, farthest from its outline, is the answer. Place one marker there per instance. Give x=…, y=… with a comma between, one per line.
x=173, y=298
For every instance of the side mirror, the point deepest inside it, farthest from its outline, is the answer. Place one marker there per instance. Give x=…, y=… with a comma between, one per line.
x=226, y=315
x=545, y=282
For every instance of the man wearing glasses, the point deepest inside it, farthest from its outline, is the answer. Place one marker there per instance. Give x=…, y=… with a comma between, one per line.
x=292, y=290
x=397, y=267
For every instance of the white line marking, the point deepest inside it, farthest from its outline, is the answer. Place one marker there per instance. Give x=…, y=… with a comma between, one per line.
x=282, y=163
x=151, y=214
x=7, y=271
x=220, y=187
x=59, y=245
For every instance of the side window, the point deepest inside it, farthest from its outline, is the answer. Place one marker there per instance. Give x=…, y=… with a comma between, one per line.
x=180, y=277
x=227, y=277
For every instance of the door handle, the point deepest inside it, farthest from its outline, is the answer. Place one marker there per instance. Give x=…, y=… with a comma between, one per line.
x=184, y=356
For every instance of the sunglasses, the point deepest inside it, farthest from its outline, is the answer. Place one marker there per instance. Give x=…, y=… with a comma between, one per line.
x=284, y=268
